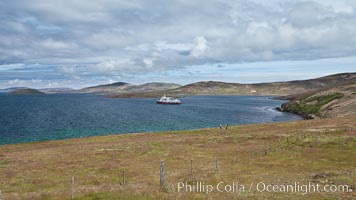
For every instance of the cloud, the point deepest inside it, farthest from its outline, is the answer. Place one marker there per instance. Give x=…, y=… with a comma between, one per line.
x=16, y=82
x=70, y=71
x=110, y=38
x=25, y=83
x=200, y=45
x=164, y=45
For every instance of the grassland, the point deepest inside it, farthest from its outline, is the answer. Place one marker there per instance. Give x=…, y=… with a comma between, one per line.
x=321, y=151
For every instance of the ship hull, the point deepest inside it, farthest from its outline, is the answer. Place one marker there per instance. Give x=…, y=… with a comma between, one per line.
x=174, y=103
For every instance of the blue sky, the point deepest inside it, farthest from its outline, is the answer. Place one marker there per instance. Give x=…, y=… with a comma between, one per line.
x=77, y=43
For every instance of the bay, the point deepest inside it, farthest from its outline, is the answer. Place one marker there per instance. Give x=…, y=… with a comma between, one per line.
x=26, y=118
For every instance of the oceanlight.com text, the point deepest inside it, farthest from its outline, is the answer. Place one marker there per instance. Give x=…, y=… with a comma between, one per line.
x=235, y=187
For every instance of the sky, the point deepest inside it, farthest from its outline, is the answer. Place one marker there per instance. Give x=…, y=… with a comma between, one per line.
x=79, y=43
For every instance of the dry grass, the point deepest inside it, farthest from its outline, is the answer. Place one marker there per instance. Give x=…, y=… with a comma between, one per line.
x=319, y=151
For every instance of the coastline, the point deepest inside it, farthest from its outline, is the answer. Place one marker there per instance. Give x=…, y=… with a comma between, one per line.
x=304, y=116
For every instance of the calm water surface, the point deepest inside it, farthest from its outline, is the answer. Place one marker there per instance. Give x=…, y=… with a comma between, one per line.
x=59, y=116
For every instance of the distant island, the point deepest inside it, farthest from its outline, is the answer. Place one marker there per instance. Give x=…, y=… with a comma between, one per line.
x=43, y=90
x=26, y=91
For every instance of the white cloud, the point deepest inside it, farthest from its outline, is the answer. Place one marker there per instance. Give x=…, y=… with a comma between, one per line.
x=70, y=71
x=200, y=46
x=26, y=83
x=16, y=82
x=131, y=38
x=148, y=62
x=113, y=67
x=164, y=45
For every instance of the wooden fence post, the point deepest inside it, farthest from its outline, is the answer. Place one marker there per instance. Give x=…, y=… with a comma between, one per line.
x=236, y=155
x=266, y=150
x=72, y=189
x=191, y=168
x=216, y=162
x=123, y=179
x=161, y=174
x=287, y=142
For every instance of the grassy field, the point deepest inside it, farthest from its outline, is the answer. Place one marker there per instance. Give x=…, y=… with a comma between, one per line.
x=320, y=151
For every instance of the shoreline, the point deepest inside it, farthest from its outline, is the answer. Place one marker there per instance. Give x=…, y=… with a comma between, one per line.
x=304, y=116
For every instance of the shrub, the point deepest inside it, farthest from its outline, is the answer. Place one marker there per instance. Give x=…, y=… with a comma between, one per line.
x=302, y=106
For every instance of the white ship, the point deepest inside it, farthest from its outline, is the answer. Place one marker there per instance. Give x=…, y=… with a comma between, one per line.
x=168, y=100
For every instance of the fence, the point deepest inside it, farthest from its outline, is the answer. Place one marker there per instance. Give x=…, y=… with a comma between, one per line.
x=279, y=144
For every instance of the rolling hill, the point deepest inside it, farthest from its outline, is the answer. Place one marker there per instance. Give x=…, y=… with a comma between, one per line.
x=274, y=88
x=125, y=88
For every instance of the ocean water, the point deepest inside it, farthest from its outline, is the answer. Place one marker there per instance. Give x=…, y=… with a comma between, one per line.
x=25, y=118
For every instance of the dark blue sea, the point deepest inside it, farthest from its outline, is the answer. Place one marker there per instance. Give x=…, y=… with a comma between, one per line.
x=25, y=118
